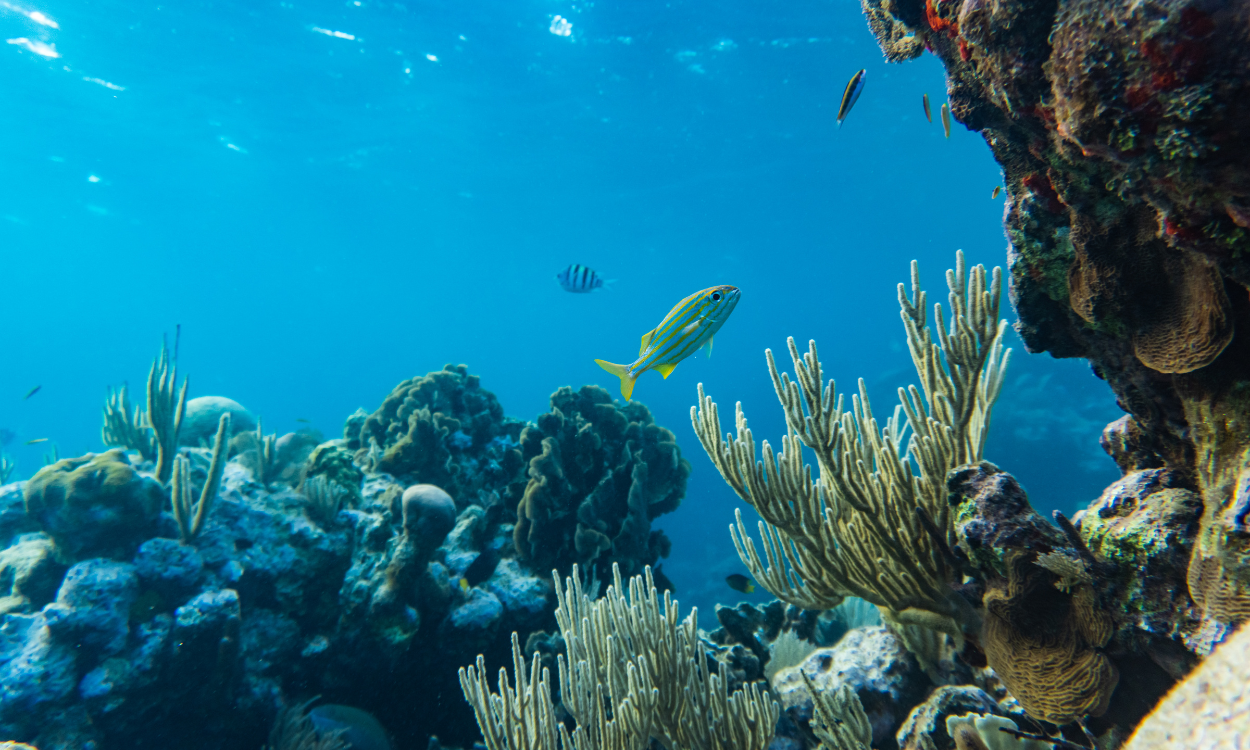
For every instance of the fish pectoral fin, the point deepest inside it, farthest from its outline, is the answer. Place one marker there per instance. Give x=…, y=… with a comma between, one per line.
x=708, y=347
x=646, y=339
x=665, y=370
x=690, y=329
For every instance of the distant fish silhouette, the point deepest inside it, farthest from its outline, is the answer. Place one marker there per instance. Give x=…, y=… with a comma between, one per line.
x=304, y=421
x=997, y=189
x=928, y=113
x=32, y=392
x=739, y=582
x=36, y=440
x=6, y=436
x=946, y=119
x=854, y=88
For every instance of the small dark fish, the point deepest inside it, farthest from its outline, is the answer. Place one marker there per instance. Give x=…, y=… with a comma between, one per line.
x=928, y=113
x=36, y=440
x=997, y=189
x=32, y=392
x=481, y=568
x=303, y=421
x=946, y=120
x=739, y=582
x=580, y=279
x=854, y=88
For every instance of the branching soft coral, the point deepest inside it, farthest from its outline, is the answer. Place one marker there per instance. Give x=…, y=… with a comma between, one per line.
x=875, y=523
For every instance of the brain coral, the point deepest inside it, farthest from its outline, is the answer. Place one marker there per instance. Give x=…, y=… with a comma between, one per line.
x=1044, y=644
x=598, y=474
x=444, y=429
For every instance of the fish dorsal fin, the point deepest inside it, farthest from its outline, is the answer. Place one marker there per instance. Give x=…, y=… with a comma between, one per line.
x=646, y=339
x=708, y=347
x=665, y=370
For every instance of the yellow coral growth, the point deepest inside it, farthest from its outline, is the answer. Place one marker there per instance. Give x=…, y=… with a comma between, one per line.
x=898, y=41
x=1044, y=644
x=1190, y=322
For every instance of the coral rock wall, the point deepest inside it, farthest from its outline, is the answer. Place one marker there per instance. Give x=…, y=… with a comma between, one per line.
x=1123, y=130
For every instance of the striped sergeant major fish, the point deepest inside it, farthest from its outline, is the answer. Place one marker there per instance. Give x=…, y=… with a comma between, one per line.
x=687, y=327
x=580, y=279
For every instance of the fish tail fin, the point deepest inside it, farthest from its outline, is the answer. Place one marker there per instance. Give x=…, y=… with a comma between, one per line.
x=607, y=283
x=622, y=372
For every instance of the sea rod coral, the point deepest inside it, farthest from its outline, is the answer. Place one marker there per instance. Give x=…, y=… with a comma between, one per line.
x=871, y=525
x=633, y=672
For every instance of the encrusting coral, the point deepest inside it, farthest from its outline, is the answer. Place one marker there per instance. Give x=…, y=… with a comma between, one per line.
x=599, y=473
x=899, y=40
x=633, y=672
x=871, y=525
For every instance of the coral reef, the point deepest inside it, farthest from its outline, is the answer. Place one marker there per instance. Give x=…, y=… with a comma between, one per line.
x=599, y=473
x=1121, y=131
x=265, y=571
x=442, y=428
x=1083, y=625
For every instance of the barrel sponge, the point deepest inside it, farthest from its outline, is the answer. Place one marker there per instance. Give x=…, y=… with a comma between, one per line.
x=1044, y=643
x=94, y=506
x=1209, y=709
x=599, y=473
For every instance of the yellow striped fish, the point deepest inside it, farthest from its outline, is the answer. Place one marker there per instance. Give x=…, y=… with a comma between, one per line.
x=688, y=326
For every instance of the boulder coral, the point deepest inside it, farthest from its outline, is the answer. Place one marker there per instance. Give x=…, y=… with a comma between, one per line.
x=599, y=473
x=94, y=506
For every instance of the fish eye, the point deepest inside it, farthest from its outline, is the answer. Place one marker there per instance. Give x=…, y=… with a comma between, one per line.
x=716, y=296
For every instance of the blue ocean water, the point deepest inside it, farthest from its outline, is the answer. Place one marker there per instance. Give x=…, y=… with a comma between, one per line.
x=331, y=197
